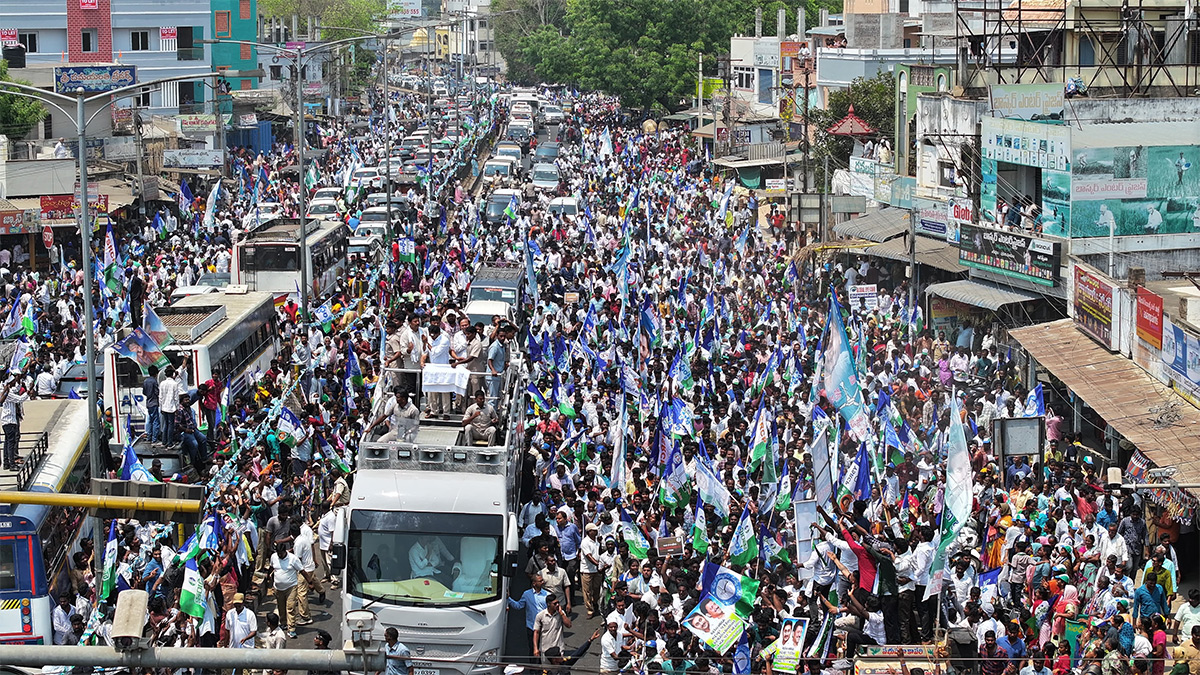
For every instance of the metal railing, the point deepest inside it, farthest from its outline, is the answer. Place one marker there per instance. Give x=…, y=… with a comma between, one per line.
x=33, y=459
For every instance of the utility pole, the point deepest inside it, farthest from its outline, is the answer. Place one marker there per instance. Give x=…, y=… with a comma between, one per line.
x=137, y=137
x=99, y=536
x=387, y=140
x=304, y=284
x=220, y=125
x=429, y=114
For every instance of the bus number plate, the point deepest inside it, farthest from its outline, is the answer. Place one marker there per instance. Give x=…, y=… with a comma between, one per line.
x=425, y=671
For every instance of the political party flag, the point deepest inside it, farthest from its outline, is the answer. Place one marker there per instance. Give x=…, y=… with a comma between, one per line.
x=700, y=530
x=711, y=488
x=185, y=197
x=744, y=546
x=353, y=370
x=741, y=656
x=651, y=324
x=841, y=377
x=192, y=600
x=408, y=250
x=673, y=488
x=538, y=399
x=290, y=430
x=324, y=313
x=773, y=550
x=112, y=271
x=133, y=469
x=729, y=588
x=783, y=500
x=958, y=491
x=155, y=328
x=12, y=325
x=639, y=547
x=681, y=372
x=513, y=208
x=1035, y=404
x=109, y=575
x=562, y=397
x=760, y=436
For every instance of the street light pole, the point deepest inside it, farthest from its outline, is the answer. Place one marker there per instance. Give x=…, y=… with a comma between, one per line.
x=89, y=331
x=387, y=139
x=304, y=283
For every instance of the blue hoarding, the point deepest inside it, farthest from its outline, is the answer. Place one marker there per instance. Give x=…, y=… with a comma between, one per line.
x=93, y=79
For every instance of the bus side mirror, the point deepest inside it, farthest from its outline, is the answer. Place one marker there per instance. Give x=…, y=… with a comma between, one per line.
x=509, y=565
x=337, y=558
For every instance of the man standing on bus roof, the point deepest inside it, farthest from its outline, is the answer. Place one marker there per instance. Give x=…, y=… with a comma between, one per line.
x=11, y=398
x=168, y=396
x=150, y=390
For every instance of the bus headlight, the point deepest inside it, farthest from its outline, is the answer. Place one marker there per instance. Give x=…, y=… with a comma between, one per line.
x=487, y=659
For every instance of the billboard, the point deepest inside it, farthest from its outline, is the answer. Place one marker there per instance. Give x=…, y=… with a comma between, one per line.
x=959, y=211
x=932, y=217
x=1026, y=100
x=194, y=158
x=1150, y=317
x=198, y=124
x=1044, y=146
x=93, y=79
x=1009, y=253
x=1093, y=305
x=406, y=8
x=1134, y=190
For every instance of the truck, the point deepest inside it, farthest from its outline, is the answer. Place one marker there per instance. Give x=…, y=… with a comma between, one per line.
x=429, y=541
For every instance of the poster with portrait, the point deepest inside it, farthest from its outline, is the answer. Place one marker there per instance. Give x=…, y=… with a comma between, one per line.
x=789, y=646
x=716, y=624
x=154, y=326
x=142, y=349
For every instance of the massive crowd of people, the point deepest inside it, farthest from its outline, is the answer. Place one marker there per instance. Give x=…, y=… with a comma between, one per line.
x=708, y=410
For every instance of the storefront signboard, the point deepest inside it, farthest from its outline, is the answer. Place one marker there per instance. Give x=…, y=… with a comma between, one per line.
x=1093, y=307
x=1150, y=317
x=1010, y=253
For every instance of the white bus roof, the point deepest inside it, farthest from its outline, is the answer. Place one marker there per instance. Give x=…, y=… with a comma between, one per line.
x=191, y=312
x=387, y=490
x=287, y=231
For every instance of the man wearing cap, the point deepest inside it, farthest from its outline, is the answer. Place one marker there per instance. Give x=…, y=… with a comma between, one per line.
x=592, y=569
x=241, y=626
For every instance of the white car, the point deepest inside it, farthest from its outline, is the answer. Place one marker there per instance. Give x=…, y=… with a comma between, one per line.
x=327, y=193
x=567, y=207
x=367, y=179
x=261, y=213
x=552, y=114
x=545, y=176
x=323, y=209
x=498, y=169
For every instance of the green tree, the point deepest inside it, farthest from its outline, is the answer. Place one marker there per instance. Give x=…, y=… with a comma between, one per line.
x=17, y=114
x=516, y=23
x=874, y=100
x=363, y=15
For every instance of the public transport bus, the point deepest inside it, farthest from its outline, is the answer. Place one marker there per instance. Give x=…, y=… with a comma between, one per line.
x=39, y=538
x=231, y=337
x=25, y=604
x=269, y=258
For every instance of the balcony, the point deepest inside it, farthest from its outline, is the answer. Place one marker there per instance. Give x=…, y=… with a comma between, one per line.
x=190, y=54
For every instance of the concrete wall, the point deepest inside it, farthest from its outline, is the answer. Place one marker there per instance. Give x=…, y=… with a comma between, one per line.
x=36, y=177
x=877, y=30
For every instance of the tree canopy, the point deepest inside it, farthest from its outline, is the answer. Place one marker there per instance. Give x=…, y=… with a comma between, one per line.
x=874, y=100
x=17, y=113
x=363, y=15
x=645, y=51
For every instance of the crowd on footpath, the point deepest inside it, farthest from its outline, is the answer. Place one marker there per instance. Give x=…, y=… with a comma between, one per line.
x=739, y=470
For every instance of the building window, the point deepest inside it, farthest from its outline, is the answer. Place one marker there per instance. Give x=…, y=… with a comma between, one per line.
x=743, y=78
x=244, y=10
x=485, y=45
x=276, y=73
x=88, y=41
x=482, y=24
x=186, y=48
x=222, y=24
x=142, y=100
x=29, y=41
x=766, y=82
x=139, y=40
x=247, y=52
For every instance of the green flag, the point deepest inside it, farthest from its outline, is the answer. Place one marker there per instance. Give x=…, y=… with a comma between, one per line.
x=744, y=546
x=700, y=530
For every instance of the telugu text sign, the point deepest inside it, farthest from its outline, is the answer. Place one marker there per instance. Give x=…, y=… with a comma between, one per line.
x=1094, y=307
x=1026, y=100
x=193, y=158
x=1150, y=317
x=93, y=79
x=198, y=124
x=1093, y=189
x=1009, y=253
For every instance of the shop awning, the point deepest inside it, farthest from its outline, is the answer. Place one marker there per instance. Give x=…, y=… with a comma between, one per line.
x=978, y=294
x=1126, y=396
x=930, y=252
x=878, y=225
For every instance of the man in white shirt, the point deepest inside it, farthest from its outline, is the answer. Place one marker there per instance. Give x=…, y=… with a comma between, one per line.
x=241, y=625
x=1113, y=544
x=591, y=568
x=303, y=548
x=168, y=396
x=610, y=649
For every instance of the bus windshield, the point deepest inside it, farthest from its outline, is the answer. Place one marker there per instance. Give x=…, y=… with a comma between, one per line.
x=424, y=559
x=271, y=258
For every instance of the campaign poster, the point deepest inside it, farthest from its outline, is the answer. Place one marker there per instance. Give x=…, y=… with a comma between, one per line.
x=143, y=349
x=716, y=624
x=790, y=646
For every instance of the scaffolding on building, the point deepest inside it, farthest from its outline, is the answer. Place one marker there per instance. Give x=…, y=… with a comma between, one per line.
x=1106, y=48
